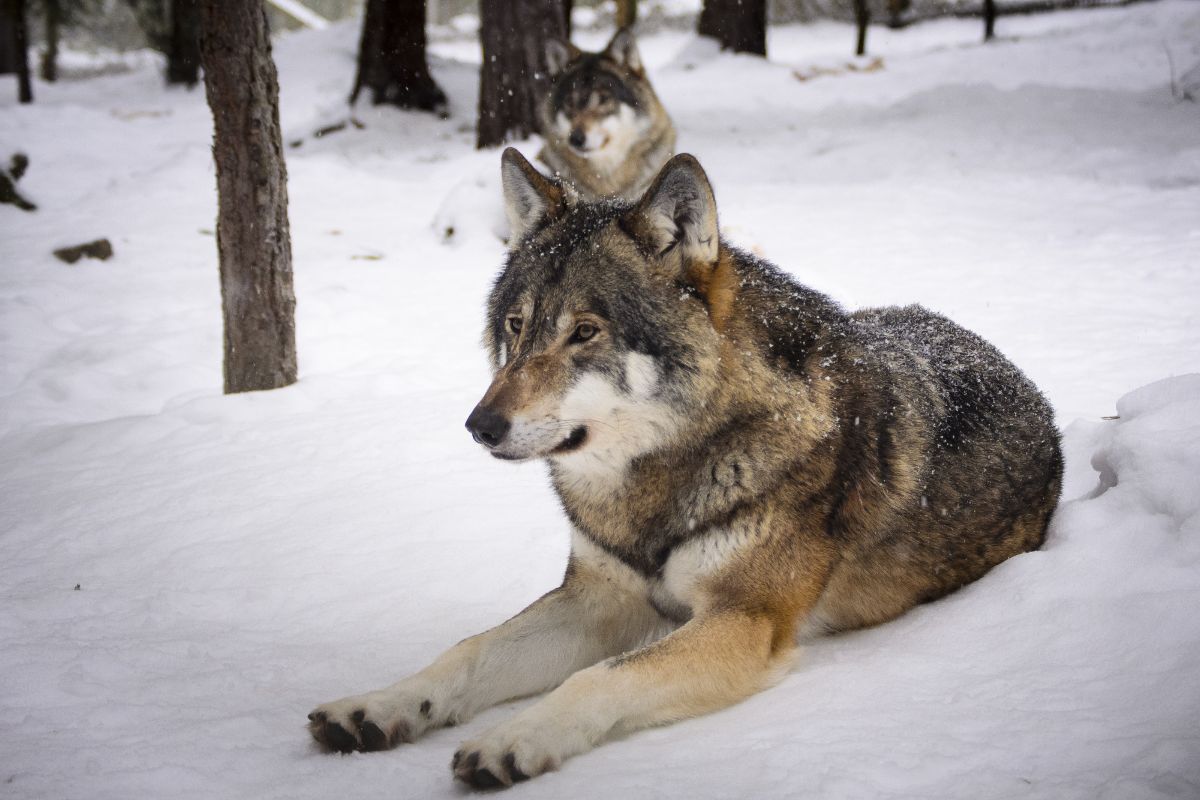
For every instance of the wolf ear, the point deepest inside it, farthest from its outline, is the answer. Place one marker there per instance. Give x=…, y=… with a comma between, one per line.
x=558, y=55
x=529, y=196
x=678, y=213
x=623, y=50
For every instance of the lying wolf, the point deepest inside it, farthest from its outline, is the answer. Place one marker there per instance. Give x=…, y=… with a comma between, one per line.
x=741, y=461
x=605, y=130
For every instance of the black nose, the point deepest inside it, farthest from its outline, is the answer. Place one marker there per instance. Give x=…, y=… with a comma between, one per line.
x=577, y=138
x=487, y=427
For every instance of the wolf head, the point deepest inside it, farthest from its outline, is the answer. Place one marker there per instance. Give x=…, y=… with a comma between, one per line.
x=599, y=103
x=604, y=325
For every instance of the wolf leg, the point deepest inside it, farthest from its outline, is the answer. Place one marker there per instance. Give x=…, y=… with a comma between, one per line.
x=711, y=662
x=585, y=620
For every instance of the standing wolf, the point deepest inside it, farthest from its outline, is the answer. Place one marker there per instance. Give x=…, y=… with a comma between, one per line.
x=740, y=459
x=605, y=130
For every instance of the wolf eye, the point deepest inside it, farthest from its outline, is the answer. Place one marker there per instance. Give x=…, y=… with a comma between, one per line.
x=584, y=331
x=514, y=325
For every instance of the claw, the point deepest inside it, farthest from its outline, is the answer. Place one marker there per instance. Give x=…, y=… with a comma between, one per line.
x=337, y=738
x=483, y=778
x=514, y=772
x=373, y=738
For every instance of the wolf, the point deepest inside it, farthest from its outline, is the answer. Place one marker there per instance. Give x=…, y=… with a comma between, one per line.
x=606, y=131
x=743, y=464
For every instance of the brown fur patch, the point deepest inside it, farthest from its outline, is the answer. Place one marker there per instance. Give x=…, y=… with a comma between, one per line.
x=718, y=286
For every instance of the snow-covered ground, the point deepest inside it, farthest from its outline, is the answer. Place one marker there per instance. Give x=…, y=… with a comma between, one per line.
x=184, y=575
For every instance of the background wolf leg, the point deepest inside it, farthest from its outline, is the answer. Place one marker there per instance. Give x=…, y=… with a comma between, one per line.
x=709, y=663
x=578, y=624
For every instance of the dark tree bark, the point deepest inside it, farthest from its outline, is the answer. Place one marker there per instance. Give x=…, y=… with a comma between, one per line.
x=253, y=240
x=183, y=48
x=53, y=18
x=391, y=57
x=514, y=77
x=989, y=19
x=739, y=25
x=14, y=47
x=626, y=13
x=568, y=6
x=895, y=11
x=862, y=18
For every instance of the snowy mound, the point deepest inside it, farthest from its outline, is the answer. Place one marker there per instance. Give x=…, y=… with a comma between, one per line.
x=1149, y=461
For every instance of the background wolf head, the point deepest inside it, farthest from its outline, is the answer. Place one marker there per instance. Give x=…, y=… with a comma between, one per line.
x=599, y=103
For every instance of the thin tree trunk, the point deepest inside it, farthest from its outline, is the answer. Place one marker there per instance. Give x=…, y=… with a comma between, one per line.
x=50, y=55
x=391, y=57
x=253, y=240
x=626, y=13
x=989, y=19
x=568, y=6
x=514, y=77
x=183, y=50
x=862, y=18
x=739, y=25
x=14, y=47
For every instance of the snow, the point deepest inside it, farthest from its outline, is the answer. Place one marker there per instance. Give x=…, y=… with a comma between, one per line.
x=240, y=559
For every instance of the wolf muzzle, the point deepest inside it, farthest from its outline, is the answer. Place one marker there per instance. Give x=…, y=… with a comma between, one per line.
x=488, y=427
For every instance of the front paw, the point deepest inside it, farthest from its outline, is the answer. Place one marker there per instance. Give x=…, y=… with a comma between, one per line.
x=368, y=722
x=510, y=754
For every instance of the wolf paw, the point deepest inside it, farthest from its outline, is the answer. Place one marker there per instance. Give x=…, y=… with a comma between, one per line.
x=508, y=755
x=368, y=722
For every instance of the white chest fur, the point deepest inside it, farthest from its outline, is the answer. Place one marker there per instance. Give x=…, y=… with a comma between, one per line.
x=684, y=584
x=682, y=588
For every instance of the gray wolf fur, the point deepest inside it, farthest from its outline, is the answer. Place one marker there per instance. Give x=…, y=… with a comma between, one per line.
x=606, y=131
x=743, y=463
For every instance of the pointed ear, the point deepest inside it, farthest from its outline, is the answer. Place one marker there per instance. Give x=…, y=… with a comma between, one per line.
x=678, y=213
x=529, y=196
x=558, y=55
x=623, y=50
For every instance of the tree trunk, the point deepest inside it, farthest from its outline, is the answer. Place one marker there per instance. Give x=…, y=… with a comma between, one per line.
x=862, y=18
x=391, y=57
x=989, y=19
x=253, y=241
x=739, y=25
x=895, y=10
x=14, y=47
x=626, y=13
x=50, y=55
x=568, y=6
x=183, y=48
x=514, y=76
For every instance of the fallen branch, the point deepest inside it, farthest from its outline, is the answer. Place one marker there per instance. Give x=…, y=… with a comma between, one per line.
x=101, y=249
